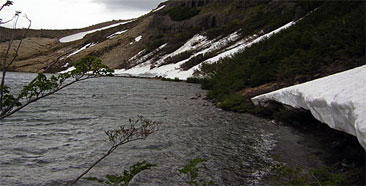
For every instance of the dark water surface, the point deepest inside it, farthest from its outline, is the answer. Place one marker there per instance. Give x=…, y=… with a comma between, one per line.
x=52, y=141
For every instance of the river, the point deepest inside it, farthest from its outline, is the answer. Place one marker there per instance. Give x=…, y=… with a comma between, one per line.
x=53, y=140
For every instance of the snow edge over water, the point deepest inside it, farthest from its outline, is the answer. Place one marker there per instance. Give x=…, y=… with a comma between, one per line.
x=337, y=100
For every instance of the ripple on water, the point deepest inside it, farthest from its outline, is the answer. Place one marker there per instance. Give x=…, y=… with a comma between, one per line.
x=52, y=141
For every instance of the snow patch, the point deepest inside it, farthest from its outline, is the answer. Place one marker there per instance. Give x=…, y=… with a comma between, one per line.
x=117, y=33
x=68, y=70
x=138, y=59
x=137, y=39
x=81, y=35
x=219, y=44
x=158, y=9
x=338, y=100
x=81, y=49
x=195, y=43
x=247, y=42
x=141, y=70
x=135, y=57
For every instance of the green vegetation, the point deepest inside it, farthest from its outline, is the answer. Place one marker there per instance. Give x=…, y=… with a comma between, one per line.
x=154, y=45
x=182, y=12
x=177, y=58
x=193, y=80
x=226, y=29
x=193, y=172
x=197, y=60
x=42, y=86
x=267, y=20
x=261, y=17
x=169, y=79
x=300, y=176
x=189, y=169
x=126, y=177
x=330, y=36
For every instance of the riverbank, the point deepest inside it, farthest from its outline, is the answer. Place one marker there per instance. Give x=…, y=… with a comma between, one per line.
x=310, y=153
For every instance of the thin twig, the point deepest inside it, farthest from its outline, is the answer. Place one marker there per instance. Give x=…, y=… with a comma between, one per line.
x=9, y=111
x=316, y=179
x=110, y=151
x=5, y=66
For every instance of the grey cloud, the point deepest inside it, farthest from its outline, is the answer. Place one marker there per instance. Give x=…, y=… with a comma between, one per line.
x=144, y=5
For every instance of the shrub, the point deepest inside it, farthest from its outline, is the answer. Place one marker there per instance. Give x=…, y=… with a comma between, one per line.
x=126, y=176
x=312, y=46
x=182, y=12
x=226, y=29
x=179, y=57
x=193, y=80
x=154, y=45
x=197, y=60
x=169, y=79
x=193, y=173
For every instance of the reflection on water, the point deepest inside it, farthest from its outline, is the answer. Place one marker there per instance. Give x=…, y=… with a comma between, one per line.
x=54, y=140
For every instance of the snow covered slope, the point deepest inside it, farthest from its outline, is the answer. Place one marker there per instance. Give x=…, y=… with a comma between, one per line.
x=338, y=100
x=199, y=45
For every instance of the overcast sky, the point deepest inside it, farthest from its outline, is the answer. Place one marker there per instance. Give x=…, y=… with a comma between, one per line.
x=62, y=14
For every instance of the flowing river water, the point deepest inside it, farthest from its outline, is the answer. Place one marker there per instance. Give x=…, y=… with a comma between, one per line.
x=53, y=140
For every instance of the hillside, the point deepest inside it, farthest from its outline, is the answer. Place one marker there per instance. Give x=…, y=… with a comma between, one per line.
x=328, y=40
x=222, y=24
x=174, y=39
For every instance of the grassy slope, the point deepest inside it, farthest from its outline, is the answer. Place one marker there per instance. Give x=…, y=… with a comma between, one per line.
x=328, y=40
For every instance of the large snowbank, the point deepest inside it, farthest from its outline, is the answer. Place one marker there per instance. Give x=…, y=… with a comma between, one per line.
x=80, y=35
x=338, y=100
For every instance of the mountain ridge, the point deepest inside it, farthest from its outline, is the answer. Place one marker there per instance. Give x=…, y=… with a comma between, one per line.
x=155, y=27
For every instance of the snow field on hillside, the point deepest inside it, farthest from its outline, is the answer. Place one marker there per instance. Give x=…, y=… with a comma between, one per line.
x=247, y=42
x=338, y=100
x=146, y=68
x=200, y=45
x=81, y=35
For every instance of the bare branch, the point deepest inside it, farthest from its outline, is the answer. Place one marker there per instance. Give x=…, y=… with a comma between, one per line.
x=5, y=66
x=41, y=86
x=7, y=3
x=9, y=111
x=139, y=129
x=21, y=41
